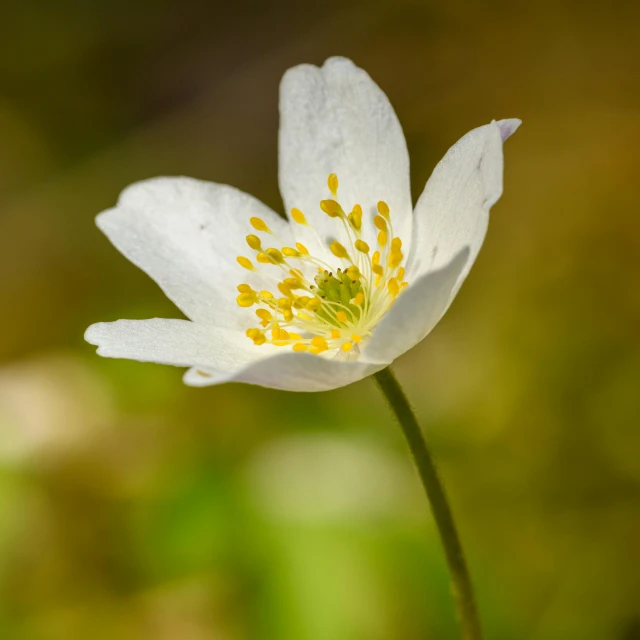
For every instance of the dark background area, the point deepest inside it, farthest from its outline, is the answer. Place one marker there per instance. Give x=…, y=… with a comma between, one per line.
x=134, y=507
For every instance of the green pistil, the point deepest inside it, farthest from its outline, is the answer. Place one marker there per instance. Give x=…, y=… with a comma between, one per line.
x=339, y=288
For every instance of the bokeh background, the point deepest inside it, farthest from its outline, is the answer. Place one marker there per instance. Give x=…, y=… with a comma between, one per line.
x=133, y=507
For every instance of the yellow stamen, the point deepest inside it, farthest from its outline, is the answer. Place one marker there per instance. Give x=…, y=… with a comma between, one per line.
x=284, y=290
x=259, y=225
x=335, y=301
x=394, y=259
x=383, y=209
x=292, y=283
x=338, y=250
x=331, y=208
x=332, y=183
x=275, y=256
x=355, y=217
x=246, y=300
x=353, y=273
x=298, y=216
x=380, y=223
x=254, y=242
x=362, y=246
x=319, y=342
x=245, y=262
x=263, y=258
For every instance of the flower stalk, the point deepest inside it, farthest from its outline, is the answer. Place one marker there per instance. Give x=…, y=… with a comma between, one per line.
x=459, y=573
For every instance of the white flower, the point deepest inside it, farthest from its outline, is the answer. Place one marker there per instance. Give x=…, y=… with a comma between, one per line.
x=351, y=282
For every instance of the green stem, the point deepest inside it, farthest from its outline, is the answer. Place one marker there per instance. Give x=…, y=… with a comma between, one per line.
x=460, y=578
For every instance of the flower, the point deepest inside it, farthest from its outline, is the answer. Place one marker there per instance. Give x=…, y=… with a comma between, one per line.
x=353, y=280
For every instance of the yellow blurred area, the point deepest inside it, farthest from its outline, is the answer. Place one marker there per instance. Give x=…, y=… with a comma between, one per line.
x=134, y=507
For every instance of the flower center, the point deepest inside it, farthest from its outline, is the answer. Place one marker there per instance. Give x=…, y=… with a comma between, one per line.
x=319, y=307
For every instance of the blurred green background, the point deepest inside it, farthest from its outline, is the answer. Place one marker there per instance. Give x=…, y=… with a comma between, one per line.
x=133, y=507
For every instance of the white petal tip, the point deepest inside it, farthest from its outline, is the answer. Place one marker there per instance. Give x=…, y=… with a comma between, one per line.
x=508, y=127
x=91, y=334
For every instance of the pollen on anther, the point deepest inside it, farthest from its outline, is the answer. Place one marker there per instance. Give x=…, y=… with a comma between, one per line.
x=362, y=246
x=298, y=216
x=331, y=208
x=254, y=242
x=332, y=183
x=383, y=209
x=338, y=250
x=245, y=262
x=259, y=225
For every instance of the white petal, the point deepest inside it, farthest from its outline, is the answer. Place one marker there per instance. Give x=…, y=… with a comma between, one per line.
x=186, y=234
x=335, y=119
x=453, y=210
x=176, y=342
x=290, y=371
x=416, y=312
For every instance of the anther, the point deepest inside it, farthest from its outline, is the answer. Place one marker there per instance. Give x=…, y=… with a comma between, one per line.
x=275, y=256
x=319, y=342
x=332, y=183
x=263, y=258
x=302, y=249
x=331, y=208
x=380, y=223
x=362, y=246
x=245, y=263
x=342, y=316
x=259, y=225
x=246, y=300
x=338, y=250
x=298, y=216
x=254, y=242
x=383, y=209
x=353, y=273
x=292, y=283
